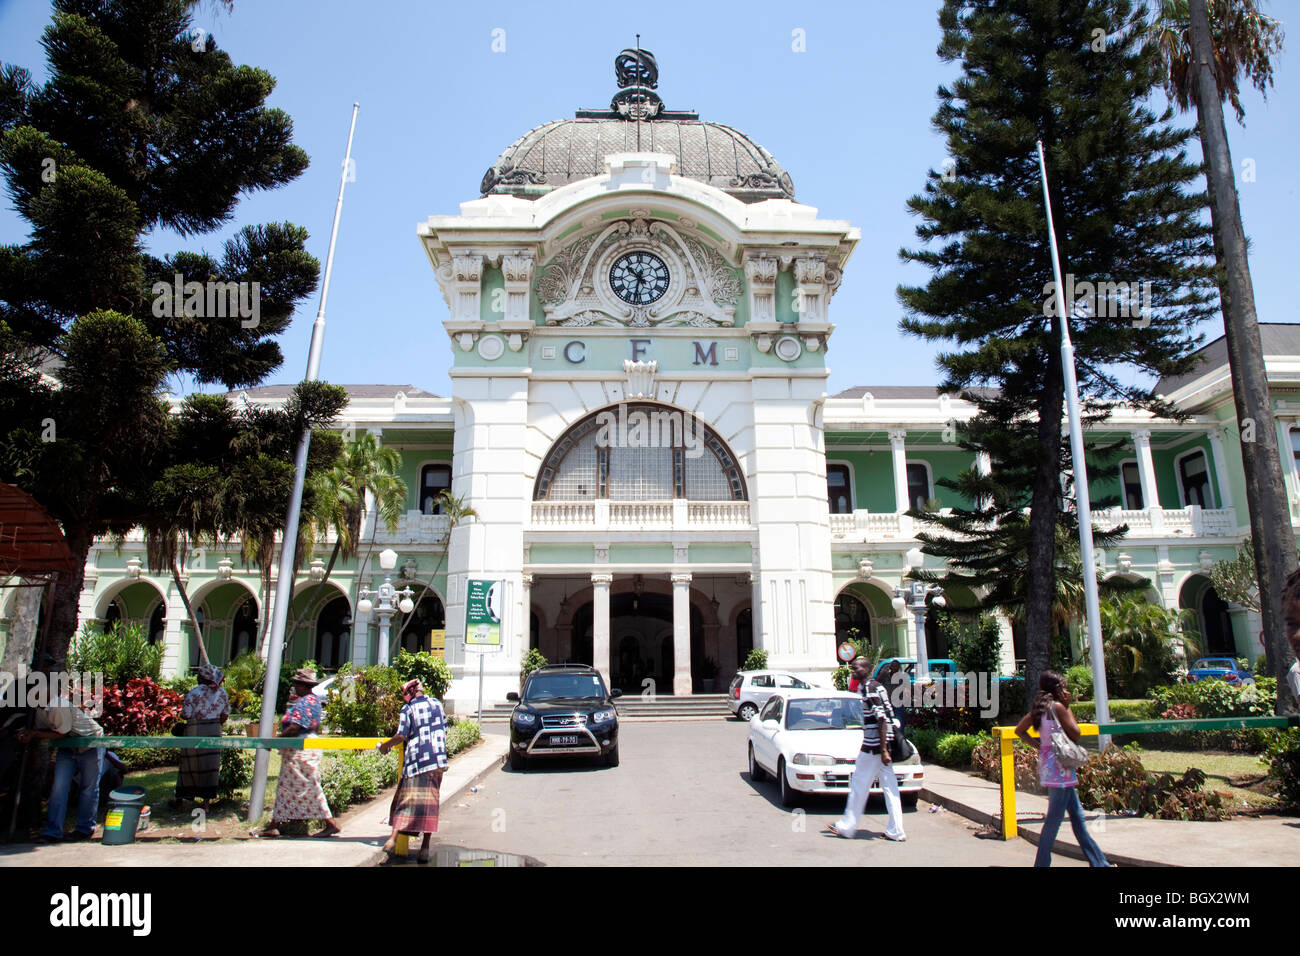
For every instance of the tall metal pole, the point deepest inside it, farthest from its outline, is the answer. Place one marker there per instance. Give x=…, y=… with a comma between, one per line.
x=284, y=582
x=1083, y=505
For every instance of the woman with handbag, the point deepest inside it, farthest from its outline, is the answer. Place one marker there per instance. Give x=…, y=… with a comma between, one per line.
x=1059, y=754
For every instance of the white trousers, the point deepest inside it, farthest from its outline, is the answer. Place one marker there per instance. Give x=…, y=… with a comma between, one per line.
x=866, y=770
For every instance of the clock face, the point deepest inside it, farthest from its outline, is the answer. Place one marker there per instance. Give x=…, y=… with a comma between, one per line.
x=639, y=278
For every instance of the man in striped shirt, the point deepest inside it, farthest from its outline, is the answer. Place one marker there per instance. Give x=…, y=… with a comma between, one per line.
x=873, y=760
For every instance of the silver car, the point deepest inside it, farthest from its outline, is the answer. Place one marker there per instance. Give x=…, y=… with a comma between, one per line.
x=750, y=690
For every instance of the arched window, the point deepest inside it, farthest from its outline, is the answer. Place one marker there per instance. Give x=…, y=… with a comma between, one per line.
x=333, y=630
x=434, y=479
x=158, y=623
x=640, y=452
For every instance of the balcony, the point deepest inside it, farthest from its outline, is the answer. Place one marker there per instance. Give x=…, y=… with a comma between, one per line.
x=674, y=515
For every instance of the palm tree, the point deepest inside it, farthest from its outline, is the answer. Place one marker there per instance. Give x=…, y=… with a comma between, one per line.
x=1205, y=48
x=339, y=497
x=1140, y=642
x=454, y=507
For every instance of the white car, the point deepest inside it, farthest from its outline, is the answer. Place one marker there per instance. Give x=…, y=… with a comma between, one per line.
x=750, y=690
x=809, y=741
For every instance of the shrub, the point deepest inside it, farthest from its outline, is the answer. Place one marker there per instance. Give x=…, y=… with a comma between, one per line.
x=150, y=758
x=1120, y=710
x=951, y=720
x=351, y=776
x=1109, y=781
x=925, y=741
x=1180, y=712
x=1079, y=680
x=140, y=708
x=1138, y=639
x=182, y=684
x=954, y=750
x=247, y=672
x=1283, y=757
x=755, y=660
x=1216, y=698
x=975, y=645
x=240, y=700
x=840, y=677
x=430, y=671
x=1261, y=664
x=368, y=705
x=987, y=760
x=236, y=772
x=531, y=662
x=462, y=735
x=121, y=654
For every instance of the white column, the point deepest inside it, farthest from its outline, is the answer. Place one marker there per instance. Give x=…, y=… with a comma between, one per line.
x=1221, y=467
x=1146, y=468
x=526, y=617
x=681, y=633
x=897, y=437
x=600, y=582
x=756, y=611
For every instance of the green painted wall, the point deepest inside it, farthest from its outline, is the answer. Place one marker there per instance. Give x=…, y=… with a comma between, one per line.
x=492, y=301
x=562, y=553
x=1167, y=475
x=640, y=554
x=721, y=553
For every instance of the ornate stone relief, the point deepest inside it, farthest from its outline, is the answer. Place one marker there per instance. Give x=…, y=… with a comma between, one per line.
x=574, y=291
x=640, y=378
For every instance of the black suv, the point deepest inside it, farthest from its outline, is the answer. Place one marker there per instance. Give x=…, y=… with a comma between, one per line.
x=565, y=709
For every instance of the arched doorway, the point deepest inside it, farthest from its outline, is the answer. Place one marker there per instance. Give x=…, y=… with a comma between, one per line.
x=428, y=616
x=243, y=629
x=852, y=618
x=744, y=635
x=333, y=634
x=1212, y=617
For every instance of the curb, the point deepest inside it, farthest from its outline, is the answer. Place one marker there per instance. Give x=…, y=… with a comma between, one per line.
x=1061, y=848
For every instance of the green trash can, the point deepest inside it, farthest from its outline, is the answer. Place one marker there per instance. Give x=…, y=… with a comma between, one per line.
x=124, y=806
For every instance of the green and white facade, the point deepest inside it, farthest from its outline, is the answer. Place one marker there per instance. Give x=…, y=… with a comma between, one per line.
x=653, y=562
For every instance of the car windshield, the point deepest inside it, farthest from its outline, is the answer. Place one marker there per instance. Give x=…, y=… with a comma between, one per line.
x=550, y=686
x=1216, y=662
x=824, y=713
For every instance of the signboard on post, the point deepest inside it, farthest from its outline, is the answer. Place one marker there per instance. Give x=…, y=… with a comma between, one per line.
x=438, y=642
x=483, y=613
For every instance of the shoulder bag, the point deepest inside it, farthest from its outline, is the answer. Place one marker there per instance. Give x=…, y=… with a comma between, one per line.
x=1068, y=754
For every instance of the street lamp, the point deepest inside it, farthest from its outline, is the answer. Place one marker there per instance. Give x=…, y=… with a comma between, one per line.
x=914, y=597
x=386, y=594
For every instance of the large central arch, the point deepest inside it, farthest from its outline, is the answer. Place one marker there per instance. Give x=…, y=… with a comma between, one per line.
x=640, y=451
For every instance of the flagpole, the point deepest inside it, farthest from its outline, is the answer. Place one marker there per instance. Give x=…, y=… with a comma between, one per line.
x=1083, y=505
x=284, y=582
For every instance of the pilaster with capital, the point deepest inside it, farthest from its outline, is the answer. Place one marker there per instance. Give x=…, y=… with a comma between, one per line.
x=600, y=584
x=681, y=633
x=898, y=449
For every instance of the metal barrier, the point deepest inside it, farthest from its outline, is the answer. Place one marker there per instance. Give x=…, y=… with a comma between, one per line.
x=239, y=743
x=1006, y=737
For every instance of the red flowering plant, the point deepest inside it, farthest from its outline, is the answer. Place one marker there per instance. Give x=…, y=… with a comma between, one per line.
x=139, y=708
x=1180, y=712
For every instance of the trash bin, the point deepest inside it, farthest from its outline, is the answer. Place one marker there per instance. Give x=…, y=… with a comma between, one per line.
x=124, y=806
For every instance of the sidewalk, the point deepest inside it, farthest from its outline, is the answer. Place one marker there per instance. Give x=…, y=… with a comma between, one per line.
x=1127, y=841
x=363, y=836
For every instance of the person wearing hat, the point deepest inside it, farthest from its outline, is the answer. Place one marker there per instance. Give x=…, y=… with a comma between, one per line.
x=423, y=728
x=298, y=791
x=205, y=709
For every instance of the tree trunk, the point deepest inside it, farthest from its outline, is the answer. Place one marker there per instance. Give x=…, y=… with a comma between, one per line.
x=189, y=610
x=65, y=608
x=1270, y=515
x=1040, y=571
x=22, y=630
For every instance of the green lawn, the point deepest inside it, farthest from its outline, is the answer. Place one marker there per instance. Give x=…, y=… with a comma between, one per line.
x=1242, y=776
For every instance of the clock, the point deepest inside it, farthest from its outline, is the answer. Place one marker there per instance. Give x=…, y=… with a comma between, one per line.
x=639, y=278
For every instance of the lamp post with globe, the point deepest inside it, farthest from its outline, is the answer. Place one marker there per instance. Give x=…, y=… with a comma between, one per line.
x=386, y=594
x=913, y=597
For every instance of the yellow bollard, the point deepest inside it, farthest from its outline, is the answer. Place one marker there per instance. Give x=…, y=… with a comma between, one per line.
x=403, y=843
x=1007, y=742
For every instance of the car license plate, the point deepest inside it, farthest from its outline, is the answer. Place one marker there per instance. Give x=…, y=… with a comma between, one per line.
x=564, y=740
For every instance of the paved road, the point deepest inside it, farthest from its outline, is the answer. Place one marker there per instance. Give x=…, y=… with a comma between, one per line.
x=682, y=797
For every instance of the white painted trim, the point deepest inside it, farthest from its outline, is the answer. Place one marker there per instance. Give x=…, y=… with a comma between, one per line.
x=1123, y=499
x=929, y=478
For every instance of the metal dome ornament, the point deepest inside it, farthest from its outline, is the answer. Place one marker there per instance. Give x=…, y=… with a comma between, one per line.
x=637, y=74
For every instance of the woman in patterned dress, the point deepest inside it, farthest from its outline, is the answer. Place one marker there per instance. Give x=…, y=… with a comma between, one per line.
x=298, y=792
x=205, y=709
x=423, y=729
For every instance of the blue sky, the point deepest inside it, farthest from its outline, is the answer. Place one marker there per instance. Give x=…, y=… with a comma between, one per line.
x=849, y=119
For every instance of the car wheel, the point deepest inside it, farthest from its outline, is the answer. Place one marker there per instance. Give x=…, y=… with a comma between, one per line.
x=747, y=712
x=909, y=799
x=756, y=773
x=611, y=758
x=789, y=796
x=518, y=761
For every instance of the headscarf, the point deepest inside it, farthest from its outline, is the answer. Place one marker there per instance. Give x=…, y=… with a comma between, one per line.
x=211, y=674
x=412, y=689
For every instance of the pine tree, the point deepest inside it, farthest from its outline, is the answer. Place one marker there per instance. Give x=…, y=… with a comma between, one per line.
x=1075, y=74
x=142, y=126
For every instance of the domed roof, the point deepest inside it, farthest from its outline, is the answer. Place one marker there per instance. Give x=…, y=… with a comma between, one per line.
x=568, y=150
